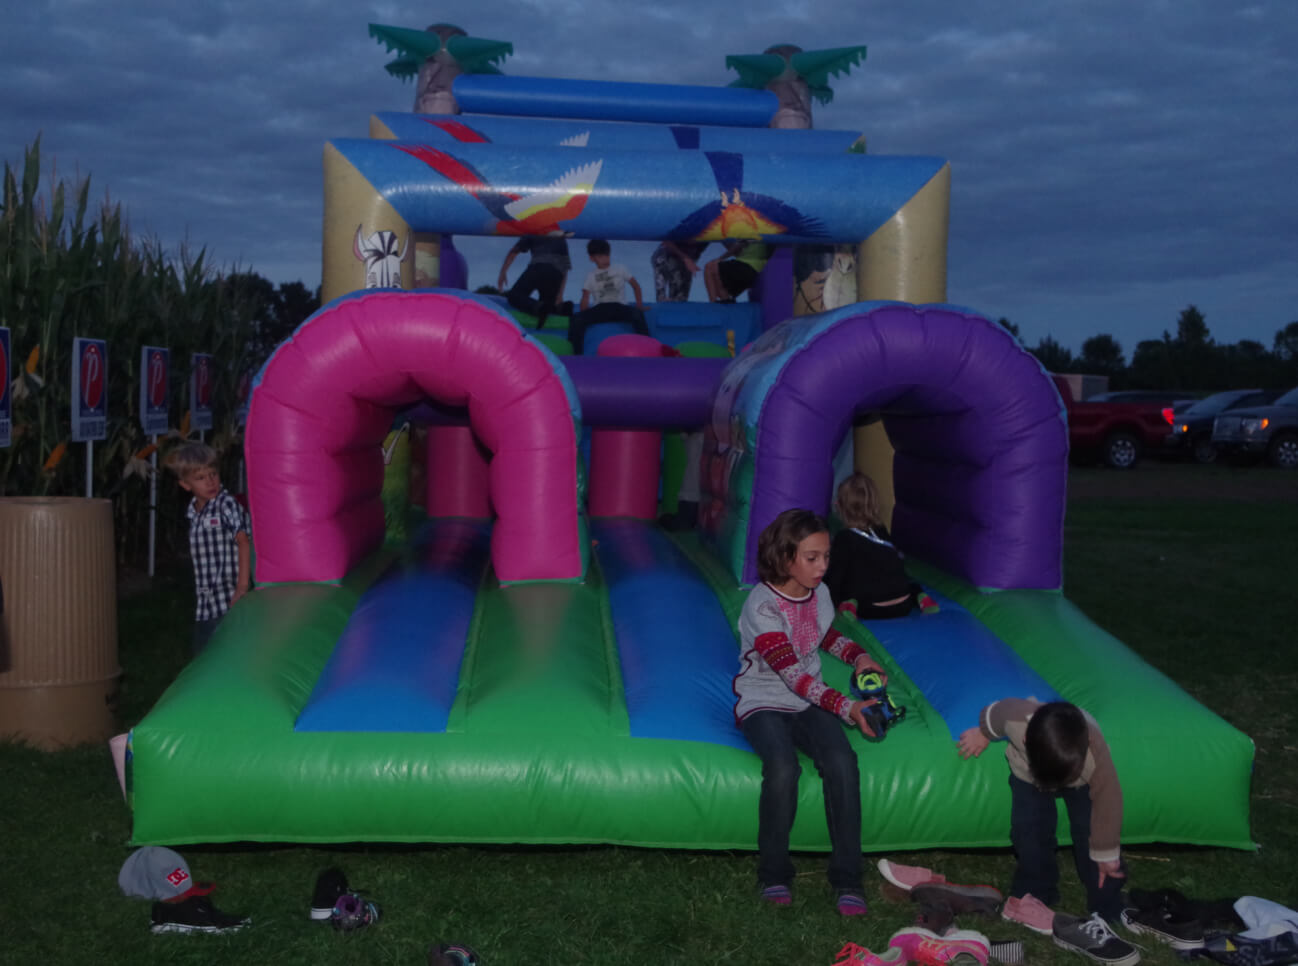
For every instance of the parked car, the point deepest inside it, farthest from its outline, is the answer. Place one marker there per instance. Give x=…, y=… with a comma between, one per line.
x=1270, y=431
x=1191, y=433
x=1117, y=432
x=1175, y=399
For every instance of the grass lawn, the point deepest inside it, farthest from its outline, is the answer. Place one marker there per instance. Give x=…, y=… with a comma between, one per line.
x=1188, y=565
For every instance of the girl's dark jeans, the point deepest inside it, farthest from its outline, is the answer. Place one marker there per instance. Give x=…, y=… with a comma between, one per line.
x=777, y=736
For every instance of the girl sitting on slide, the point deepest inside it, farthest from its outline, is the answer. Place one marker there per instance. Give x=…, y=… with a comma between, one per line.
x=864, y=566
x=784, y=706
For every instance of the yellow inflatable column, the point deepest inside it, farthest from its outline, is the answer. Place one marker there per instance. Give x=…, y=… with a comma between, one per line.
x=428, y=244
x=366, y=244
x=903, y=261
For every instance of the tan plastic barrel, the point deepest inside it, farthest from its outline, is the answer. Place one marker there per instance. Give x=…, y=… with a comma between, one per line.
x=58, y=633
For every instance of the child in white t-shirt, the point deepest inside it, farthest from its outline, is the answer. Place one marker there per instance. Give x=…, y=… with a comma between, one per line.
x=602, y=296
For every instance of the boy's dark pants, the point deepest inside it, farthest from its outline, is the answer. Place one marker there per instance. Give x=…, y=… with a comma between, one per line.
x=544, y=280
x=603, y=312
x=777, y=736
x=1034, y=816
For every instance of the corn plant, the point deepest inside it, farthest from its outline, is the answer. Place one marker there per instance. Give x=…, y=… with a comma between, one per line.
x=67, y=270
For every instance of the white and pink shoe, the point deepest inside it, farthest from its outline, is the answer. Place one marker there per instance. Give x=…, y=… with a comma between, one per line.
x=906, y=877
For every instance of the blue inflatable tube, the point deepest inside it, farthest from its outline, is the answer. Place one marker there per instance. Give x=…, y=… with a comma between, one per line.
x=614, y=101
x=511, y=190
x=443, y=130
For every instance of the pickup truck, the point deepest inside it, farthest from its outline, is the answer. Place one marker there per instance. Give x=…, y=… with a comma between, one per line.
x=1261, y=430
x=1117, y=433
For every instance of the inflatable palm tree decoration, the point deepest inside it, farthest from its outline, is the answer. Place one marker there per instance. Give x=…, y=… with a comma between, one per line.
x=795, y=76
x=435, y=57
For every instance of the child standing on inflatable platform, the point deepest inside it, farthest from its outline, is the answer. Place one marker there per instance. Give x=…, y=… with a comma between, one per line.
x=865, y=568
x=734, y=273
x=785, y=706
x=1055, y=751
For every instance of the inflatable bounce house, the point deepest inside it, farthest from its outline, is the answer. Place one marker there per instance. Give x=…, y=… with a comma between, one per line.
x=539, y=660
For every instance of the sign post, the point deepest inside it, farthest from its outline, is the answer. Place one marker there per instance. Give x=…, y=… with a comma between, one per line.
x=6, y=400
x=155, y=364
x=89, y=399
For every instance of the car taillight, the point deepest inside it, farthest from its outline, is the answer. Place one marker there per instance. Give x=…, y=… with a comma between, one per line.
x=1168, y=415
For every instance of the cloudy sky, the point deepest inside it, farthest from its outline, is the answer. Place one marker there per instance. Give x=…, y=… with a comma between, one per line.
x=1113, y=161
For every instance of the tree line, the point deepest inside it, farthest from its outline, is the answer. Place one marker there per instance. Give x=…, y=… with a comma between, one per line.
x=1189, y=360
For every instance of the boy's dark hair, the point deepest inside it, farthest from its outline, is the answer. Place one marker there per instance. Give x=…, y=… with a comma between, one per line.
x=779, y=542
x=1056, y=743
x=598, y=246
x=858, y=501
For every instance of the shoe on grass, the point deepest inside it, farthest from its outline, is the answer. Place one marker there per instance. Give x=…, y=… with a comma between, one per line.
x=979, y=899
x=1031, y=912
x=854, y=955
x=1179, y=934
x=1093, y=939
x=330, y=886
x=195, y=914
x=925, y=946
x=906, y=877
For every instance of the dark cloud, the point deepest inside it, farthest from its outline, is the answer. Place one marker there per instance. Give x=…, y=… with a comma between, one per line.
x=1112, y=162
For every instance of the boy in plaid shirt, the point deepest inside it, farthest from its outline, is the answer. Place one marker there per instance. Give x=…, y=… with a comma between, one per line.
x=220, y=544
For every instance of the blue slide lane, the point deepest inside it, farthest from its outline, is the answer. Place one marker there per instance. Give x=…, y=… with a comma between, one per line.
x=957, y=663
x=396, y=666
x=678, y=651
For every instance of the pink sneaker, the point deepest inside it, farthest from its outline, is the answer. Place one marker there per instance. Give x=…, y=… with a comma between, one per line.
x=854, y=955
x=906, y=877
x=1031, y=912
x=927, y=947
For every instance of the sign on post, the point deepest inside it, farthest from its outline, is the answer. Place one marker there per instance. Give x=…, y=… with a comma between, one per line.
x=6, y=399
x=200, y=391
x=155, y=365
x=89, y=390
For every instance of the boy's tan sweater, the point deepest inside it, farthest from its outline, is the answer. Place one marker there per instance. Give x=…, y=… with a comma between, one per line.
x=1008, y=719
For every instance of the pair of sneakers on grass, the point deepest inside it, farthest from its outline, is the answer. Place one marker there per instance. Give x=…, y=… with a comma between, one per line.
x=1091, y=937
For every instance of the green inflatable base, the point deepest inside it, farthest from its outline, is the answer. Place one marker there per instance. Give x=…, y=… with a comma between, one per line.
x=537, y=748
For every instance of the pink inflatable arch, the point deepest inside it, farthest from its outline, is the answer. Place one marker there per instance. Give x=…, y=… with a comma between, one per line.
x=324, y=401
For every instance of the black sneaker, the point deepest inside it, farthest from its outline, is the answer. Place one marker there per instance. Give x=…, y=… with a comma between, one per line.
x=1179, y=934
x=1093, y=939
x=329, y=886
x=1241, y=951
x=195, y=914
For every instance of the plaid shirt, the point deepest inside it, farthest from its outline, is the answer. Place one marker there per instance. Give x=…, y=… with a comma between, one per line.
x=215, y=553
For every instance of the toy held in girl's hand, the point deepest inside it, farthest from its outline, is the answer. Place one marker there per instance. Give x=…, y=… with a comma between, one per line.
x=885, y=712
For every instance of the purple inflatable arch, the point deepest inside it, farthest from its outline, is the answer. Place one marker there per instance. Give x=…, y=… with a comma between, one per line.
x=979, y=432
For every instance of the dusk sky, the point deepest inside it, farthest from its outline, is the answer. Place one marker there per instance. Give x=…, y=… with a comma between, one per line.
x=1113, y=161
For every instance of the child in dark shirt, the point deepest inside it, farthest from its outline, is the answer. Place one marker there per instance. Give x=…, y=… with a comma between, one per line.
x=864, y=565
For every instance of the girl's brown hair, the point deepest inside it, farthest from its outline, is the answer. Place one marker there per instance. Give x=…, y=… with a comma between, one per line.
x=858, y=502
x=778, y=543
